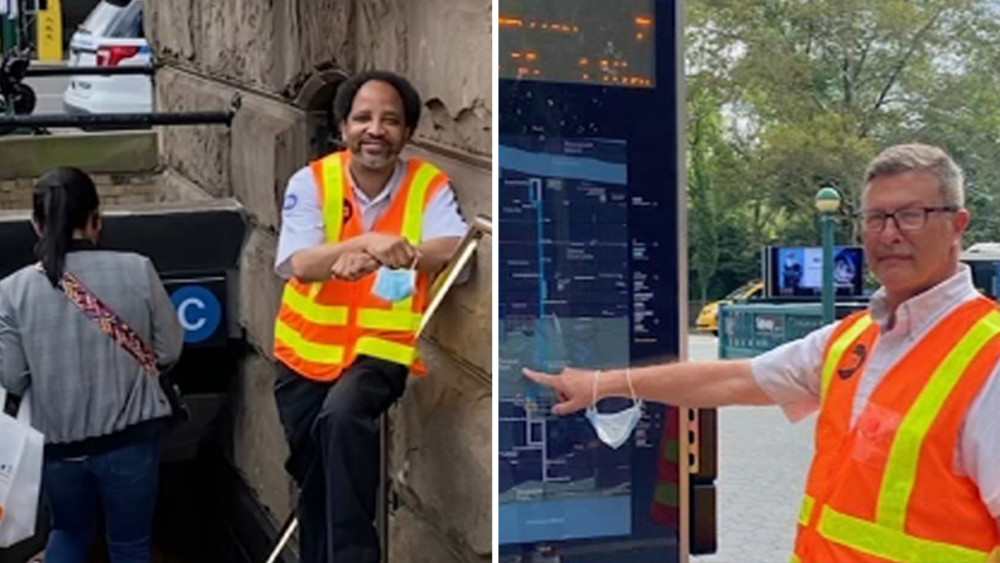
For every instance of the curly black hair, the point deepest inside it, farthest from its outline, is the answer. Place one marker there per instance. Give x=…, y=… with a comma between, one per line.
x=344, y=99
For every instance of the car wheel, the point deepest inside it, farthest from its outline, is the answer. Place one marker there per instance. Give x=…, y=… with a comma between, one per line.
x=24, y=99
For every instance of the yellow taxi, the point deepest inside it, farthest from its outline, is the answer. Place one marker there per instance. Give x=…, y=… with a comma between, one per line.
x=708, y=318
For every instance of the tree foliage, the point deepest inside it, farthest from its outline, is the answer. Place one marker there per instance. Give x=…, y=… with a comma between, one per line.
x=787, y=96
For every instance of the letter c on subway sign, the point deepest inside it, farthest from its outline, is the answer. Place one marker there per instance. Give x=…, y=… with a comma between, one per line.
x=198, y=311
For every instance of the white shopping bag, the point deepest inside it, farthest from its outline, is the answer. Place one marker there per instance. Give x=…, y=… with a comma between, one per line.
x=21, y=448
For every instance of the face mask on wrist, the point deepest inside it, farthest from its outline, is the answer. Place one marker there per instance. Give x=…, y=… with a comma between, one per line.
x=615, y=428
x=394, y=285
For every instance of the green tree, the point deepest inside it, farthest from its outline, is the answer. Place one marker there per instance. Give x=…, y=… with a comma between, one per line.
x=811, y=90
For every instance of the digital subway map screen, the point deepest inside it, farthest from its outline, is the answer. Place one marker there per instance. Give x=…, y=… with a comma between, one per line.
x=574, y=286
x=565, y=286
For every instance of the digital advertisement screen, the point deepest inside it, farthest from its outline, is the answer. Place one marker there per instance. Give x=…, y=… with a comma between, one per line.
x=797, y=271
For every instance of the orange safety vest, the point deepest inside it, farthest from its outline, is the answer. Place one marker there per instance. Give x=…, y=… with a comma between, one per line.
x=323, y=326
x=885, y=489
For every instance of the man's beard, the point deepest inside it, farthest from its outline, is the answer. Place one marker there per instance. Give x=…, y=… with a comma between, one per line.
x=377, y=161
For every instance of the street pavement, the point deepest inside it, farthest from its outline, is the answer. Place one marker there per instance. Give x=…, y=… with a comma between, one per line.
x=763, y=461
x=49, y=91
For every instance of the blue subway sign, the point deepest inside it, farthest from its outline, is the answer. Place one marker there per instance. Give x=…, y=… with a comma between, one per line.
x=199, y=312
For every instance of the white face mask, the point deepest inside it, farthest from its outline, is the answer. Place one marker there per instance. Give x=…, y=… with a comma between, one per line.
x=615, y=428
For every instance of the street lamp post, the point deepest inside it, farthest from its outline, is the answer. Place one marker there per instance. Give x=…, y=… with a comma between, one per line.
x=827, y=202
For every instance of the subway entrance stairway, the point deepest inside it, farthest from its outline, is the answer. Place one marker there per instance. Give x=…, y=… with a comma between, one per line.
x=205, y=511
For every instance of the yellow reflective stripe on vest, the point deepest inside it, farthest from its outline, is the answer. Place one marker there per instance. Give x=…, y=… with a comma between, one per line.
x=378, y=319
x=413, y=217
x=404, y=307
x=901, y=468
x=805, y=515
x=386, y=349
x=839, y=347
x=314, y=312
x=894, y=545
x=795, y=559
x=333, y=196
x=307, y=350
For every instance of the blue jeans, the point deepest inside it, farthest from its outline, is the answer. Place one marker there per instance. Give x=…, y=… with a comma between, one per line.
x=125, y=480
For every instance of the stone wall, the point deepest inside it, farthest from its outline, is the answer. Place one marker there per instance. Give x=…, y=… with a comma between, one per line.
x=114, y=190
x=284, y=60
x=123, y=165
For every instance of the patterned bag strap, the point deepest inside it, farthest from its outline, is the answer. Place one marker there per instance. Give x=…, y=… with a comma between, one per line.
x=109, y=322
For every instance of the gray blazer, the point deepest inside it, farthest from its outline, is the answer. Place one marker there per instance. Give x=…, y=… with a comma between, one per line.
x=83, y=384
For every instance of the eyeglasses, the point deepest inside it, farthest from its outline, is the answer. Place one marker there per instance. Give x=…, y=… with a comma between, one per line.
x=907, y=219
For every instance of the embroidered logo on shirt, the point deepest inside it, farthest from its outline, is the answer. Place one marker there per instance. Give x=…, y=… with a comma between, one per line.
x=860, y=354
x=291, y=201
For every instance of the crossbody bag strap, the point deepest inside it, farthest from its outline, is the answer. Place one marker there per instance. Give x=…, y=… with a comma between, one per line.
x=109, y=322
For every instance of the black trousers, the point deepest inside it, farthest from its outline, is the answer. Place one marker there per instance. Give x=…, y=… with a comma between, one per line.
x=332, y=431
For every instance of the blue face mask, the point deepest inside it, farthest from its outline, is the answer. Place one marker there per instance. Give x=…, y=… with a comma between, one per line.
x=394, y=285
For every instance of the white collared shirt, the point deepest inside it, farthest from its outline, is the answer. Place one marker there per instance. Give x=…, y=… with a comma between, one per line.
x=791, y=375
x=302, y=216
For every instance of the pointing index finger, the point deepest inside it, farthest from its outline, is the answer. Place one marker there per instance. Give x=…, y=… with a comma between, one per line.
x=540, y=378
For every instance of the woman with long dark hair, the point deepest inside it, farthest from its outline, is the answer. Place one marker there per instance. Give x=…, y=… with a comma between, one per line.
x=99, y=405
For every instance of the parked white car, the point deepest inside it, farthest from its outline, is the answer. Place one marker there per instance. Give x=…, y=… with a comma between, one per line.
x=112, y=35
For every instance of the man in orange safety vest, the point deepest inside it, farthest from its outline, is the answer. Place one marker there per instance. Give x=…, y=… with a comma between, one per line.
x=362, y=232
x=907, y=456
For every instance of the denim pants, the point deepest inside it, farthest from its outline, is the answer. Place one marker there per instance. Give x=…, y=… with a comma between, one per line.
x=125, y=480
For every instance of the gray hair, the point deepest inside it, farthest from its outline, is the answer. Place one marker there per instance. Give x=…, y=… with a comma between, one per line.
x=920, y=158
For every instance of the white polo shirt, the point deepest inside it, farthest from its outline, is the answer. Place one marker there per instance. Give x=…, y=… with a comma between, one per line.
x=302, y=216
x=791, y=375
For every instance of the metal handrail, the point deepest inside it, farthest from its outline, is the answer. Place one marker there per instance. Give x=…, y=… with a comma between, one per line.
x=119, y=120
x=481, y=226
x=59, y=70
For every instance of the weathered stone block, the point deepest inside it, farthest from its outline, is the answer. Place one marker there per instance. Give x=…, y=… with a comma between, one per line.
x=382, y=35
x=25, y=185
x=172, y=27
x=464, y=323
x=101, y=179
x=259, y=446
x=276, y=46
x=111, y=190
x=441, y=460
x=172, y=187
x=450, y=61
x=414, y=540
x=200, y=152
x=260, y=290
x=15, y=200
x=262, y=44
x=269, y=144
x=117, y=151
x=132, y=197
